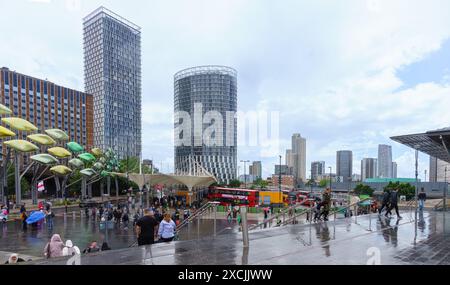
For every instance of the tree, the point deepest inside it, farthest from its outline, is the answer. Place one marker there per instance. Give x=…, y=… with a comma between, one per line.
x=405, y=189
x=259, y=183
x=25, y=185
x=323, y=183
x=362, y=189
x=132, y=166
x=235, y=183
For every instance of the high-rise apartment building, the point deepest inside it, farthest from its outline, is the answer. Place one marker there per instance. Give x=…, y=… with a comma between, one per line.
x=344, y=165
x=394, y=169
x=317, y=168
x=112, y=72
x=369, y=168
x=296, y=157
x=205, y=92
x=256, y=169
x=384, y=161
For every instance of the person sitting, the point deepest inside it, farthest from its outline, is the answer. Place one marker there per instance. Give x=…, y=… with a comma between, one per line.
x=93, y=247
x=14, y=258
x=105, y=246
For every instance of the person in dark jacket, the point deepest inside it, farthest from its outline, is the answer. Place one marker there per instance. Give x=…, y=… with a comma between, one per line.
x=326, y=203
x=394, y=203
x=422, y=198
x=385, y=202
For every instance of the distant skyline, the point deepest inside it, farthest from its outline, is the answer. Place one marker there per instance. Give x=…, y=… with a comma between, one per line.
x=344, y=76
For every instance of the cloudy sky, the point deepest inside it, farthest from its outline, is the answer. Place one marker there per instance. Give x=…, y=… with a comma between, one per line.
x=344, y=74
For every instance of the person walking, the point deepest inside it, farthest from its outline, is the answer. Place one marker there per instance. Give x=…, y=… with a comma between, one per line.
x=70, y=249
x=54, y=248
x=167, y=228
x=326, y=203
x=145, y=228
x=24, y=217
x=394, y=203
x=125, y=220
x=386, y=201
x=422, y=198
x=49, y=215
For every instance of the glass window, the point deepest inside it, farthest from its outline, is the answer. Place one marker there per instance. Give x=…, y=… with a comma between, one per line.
x=6, y=77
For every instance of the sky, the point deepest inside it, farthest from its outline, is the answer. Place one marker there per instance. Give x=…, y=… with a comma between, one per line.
x=344, y=74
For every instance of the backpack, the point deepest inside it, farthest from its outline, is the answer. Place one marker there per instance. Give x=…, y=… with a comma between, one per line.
x=71, y=251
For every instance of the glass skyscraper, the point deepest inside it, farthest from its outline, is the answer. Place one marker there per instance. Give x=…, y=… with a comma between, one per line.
x=215, y=89
x=344, y=164
x=384, y=161
x=112, y=70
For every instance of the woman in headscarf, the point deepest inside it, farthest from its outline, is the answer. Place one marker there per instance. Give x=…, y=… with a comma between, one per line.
x=70, y=249
x=14, y=258
x=54, y=248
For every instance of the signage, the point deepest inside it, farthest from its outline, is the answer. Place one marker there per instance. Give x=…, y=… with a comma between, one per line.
x=41, y=186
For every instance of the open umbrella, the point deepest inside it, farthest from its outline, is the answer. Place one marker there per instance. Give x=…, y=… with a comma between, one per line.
x=35, y=217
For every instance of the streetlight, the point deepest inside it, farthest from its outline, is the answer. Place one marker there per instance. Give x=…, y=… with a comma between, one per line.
x=445, y=190
x=279, y=180
x=245, y=171
x=330, y=175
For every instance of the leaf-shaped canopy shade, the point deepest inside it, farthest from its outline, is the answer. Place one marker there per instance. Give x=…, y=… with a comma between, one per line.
x=87, y=157
x=88, y=172
x=61, y=170
x=59, y=152
x=44, y=158
x=21, y=145
x=5, y=133
x=76, y=163
x=19, y=124
x=75, y=147
x=42, y=139
x=96, y=151
x=104, y=173
x=5, y=110
x=98, y=165
x=57, y=134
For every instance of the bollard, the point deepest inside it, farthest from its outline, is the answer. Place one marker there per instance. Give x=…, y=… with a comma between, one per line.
x=73, y=215
x=370, y=219
x=244, y=226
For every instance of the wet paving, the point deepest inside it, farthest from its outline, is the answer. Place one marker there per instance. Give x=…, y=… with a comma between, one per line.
x=367, y=240
x=82, y=231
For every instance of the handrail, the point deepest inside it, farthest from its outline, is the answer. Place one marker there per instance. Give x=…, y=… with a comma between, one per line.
x=199, y=212
x=438, y=205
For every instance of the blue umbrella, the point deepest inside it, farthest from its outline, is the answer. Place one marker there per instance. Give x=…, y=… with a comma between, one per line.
x=35, y=217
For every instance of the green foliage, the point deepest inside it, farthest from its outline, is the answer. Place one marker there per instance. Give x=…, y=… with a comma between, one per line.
x=235, y=183
x=405, y=189
x=132, y=166
x=323, y=183
x=260, y=184
x=362, y=189
x=25, y=185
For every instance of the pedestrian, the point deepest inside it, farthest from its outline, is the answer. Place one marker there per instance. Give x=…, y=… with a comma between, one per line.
x=229, y=216
x=24, y=217
x=145, y=228
x=93, y=247
x=101, y=211
x=394, y=203
x=386, y=201
x=105, y=246
x=70, y=249
x=422, y=198
x=94, y=213
x=22, y=209
x=14, y=258
x=49, y=215
x=167, y=229
x=54, y=248
x=125, y=219
x=326, y=203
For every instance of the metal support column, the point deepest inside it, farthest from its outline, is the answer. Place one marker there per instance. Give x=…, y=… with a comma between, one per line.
x=215, y=219
x=244, y=226
x=17, y=179
x=83, y=188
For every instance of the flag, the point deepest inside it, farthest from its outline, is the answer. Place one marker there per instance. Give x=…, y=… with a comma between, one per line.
x=41, y=186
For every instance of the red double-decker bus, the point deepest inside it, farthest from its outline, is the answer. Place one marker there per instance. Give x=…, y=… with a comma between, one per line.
x=234, y=196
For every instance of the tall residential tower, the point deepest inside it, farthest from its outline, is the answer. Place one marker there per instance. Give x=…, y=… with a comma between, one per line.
x=384, y=161
x=112, y=72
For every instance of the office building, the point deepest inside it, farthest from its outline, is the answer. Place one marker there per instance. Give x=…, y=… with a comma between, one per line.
x=344, y=165
x=48, y=106
x=439, y=170
x=296, y=158
x=212, y=89
x=384, y=161
x=369, y=168
x=256, y=169
x=317, y=168
x=394, y=169
x=112, y=73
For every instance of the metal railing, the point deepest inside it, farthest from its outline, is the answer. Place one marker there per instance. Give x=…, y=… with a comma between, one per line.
x=198, y=213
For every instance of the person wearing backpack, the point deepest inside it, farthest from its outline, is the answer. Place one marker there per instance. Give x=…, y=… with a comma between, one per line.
x=70, y=249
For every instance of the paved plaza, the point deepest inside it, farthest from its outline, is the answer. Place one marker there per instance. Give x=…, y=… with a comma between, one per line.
x=371, y=239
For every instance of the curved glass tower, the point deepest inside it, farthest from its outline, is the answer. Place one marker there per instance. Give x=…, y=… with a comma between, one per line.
x=206, y=104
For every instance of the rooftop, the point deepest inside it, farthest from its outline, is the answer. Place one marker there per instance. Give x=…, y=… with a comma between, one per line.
x=111, y=14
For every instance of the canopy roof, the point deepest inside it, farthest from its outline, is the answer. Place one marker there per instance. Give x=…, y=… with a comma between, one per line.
x=434, y=143
x=189, y=181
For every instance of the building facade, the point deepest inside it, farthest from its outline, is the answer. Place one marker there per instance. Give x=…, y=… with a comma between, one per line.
x=208, y=95
x=394, y=169
x=287, y=181
x=369, y=168
x=256, y=169
x=284, y=169
x=48, y=106
x=384, y=161
x=439, y=170
x=317, y=169
x=297, y=158
x=112, y=72
x=344, y=164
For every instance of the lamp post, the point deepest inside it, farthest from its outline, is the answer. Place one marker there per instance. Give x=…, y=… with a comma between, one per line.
x=330, y=175
x=245, y=172
x=279, y=180
x=445, y=190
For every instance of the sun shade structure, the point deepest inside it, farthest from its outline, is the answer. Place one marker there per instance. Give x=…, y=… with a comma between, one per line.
x=19, y=124
x=75, y=147
x=434, y=143
x=97, y=152
x=42, y=139
x=45, y=159
x=76, y=163
x=57, y=134
x=21, y=146
x=98, y=165
x=86, y=157
x=61, y=170
x=88, y=172
x=5, y=110
x=5, y=133
x=59, y=152
x=170, y=180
